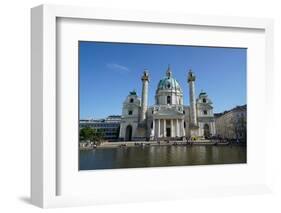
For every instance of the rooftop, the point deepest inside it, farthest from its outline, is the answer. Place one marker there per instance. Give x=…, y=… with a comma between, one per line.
x=237, y=108
x=110, y=118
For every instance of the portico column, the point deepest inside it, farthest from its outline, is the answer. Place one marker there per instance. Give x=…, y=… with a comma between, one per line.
x=177, y=123
x=172, y=128
x=182, y=128
x=164, y=128
x=158, y=131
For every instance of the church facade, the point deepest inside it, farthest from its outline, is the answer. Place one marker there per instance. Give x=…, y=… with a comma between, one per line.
x=168, y=118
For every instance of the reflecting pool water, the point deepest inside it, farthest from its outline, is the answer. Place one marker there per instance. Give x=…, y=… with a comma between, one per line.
x=155, y=156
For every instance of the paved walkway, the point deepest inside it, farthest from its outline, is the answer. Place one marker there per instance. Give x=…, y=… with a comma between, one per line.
x=155, y=143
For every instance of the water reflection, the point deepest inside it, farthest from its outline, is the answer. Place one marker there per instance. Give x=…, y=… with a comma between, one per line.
x=154, y=156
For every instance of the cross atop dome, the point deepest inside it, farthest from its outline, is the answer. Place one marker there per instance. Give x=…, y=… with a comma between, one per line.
x=169, y=72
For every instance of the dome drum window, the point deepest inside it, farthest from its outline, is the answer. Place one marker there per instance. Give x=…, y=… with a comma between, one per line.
x=168, y=99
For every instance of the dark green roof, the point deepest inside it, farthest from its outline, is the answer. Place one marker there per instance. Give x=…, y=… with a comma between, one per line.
x=133, y=92
x=202, y=94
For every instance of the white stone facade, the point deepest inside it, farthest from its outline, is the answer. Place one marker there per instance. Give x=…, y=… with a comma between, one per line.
x=168, y=118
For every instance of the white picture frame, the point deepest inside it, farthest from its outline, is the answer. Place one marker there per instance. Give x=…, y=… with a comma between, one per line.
x=44, y=150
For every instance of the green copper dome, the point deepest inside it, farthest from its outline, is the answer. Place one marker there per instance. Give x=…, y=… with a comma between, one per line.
x=168, y=82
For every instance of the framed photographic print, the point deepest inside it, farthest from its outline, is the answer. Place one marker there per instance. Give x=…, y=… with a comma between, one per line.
x=148, y=105
x=127, y=132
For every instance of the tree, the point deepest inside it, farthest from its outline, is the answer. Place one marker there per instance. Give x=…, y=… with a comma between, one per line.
x=86, y=133
x=98, y=136
x=93, y=135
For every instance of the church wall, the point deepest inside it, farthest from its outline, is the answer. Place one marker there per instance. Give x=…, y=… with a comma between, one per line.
x=135, y=111
x=211, y=126
x=200, y=112
x=162, y=100
x=140, y=133
x=121, y=132
x=124, y=124
x=123, y=129
x=200, y=130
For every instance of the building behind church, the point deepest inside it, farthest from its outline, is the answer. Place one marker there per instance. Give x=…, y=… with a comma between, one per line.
x=109, y=126
x=232, y=124
x=168, y=117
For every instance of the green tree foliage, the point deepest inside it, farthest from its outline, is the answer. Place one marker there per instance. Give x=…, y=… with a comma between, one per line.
x=92, y=135
x=86, y=134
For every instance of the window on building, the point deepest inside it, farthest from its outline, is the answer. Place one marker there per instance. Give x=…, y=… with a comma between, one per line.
x=183, y=111
x=205, y=112
x=204, y=100
x=168, y=99
x=131, y=100
x=151, y=126
x=130, y=112
x=184, y=125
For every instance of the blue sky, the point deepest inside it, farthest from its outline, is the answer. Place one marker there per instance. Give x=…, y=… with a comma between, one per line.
x=109, y=71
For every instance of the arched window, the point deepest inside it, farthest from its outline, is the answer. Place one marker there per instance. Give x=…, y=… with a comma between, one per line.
x=130, y=112
x=151, y=126
x=184, y=125
x=204, y=100
x=205, y=112
x=131, y=100
x=168, y=99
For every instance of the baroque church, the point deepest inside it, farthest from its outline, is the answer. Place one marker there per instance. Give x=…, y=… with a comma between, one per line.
x=168, y=118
